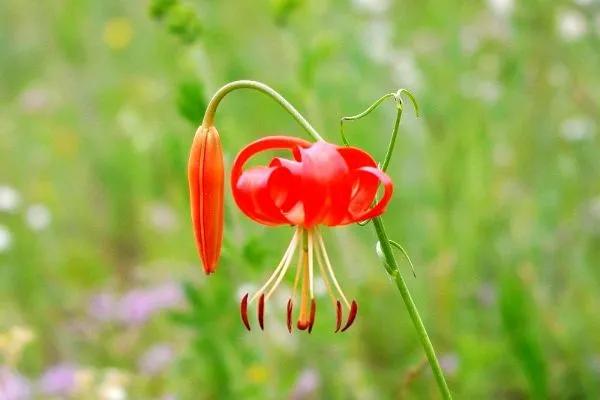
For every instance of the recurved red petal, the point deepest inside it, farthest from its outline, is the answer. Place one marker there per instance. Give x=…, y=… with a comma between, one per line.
x=205, y=179
x=257, y=191
x=323, y=183
x=265, y=194
x=356, y=158
x=366, y=183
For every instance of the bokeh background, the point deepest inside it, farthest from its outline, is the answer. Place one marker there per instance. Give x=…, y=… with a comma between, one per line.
x=497, y=197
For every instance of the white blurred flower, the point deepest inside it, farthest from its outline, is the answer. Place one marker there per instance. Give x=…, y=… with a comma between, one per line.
x=483, y=89
x=9, y=199
x=372, y=6
x=405, y=71
x=133, y=125
x=571, y=25
x=501, y=7
x=5, y=239
x=162, y=217
x=34, y=99
x=113, y=385
x=577, y=128
x=112, y=392
x=376, y=40
x=38, y=217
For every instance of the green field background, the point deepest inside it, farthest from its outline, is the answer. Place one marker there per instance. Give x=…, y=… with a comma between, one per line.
x=497, y=198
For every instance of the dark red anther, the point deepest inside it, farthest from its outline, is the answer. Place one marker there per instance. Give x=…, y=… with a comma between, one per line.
x=244, y=311
x=338, y=313
x=302, y=325
x=351, y=316
x=289, y=315
x=261, y=311
x=313, y=310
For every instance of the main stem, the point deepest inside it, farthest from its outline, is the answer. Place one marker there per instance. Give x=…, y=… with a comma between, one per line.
x=211, y=109
x=392, y=268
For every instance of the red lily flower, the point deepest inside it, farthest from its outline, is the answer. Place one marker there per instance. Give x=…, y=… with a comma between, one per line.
x=323, y=184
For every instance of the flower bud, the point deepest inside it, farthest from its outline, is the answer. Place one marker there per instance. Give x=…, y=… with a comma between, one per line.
x=205, y=177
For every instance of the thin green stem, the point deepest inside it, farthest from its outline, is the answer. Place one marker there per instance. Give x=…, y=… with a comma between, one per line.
x=392, y=268
x=390, y=263
x=390, y=149
x=399, y=247
x=362, y=114
x=211, y=109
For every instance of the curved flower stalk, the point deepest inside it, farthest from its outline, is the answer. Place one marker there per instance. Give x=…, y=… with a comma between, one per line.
x=321, y=184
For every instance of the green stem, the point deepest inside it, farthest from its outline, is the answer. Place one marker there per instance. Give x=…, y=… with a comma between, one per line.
x=390, y=149
x=211, y=109
x=392, y=268
x=362, y=114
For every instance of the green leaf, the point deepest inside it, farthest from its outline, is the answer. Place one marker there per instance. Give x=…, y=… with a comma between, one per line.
x=183, y=21
x=191, y=102
x=519, y=321
x=159, y=8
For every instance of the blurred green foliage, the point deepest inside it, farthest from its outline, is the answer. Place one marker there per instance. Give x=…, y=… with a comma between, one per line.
x=497, y=196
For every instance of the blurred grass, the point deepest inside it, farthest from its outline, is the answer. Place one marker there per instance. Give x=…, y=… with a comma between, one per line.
x=497, y=191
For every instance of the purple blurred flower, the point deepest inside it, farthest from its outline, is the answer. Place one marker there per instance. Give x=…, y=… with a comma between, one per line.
x=450, y=363
x=102, y=307
x=13, y=386
x=307, y=384
x=156, y=359
x=58, y=380
x=137, y=306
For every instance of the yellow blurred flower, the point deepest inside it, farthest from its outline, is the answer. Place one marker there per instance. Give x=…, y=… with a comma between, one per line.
x=257, y=373
x=118, y=33
x=13, y=342
x=84, y=379
x=66, y=143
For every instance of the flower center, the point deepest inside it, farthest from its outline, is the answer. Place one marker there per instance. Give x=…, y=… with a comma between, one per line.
x=309, y=246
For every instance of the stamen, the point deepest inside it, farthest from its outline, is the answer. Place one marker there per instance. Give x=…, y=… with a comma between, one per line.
x=338, y=315
x=310, y=265
x=353, y=311
x=261, y=312
x=298, y=271
x=325, y=276
x=281, y=275
x=284, y=260
x=313, y=310
x=244, y=311
x=289, y=315
x=303, y=321
x=330, y=270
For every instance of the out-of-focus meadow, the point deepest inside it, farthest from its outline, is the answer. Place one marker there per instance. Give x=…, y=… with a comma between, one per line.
x=497, y=198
